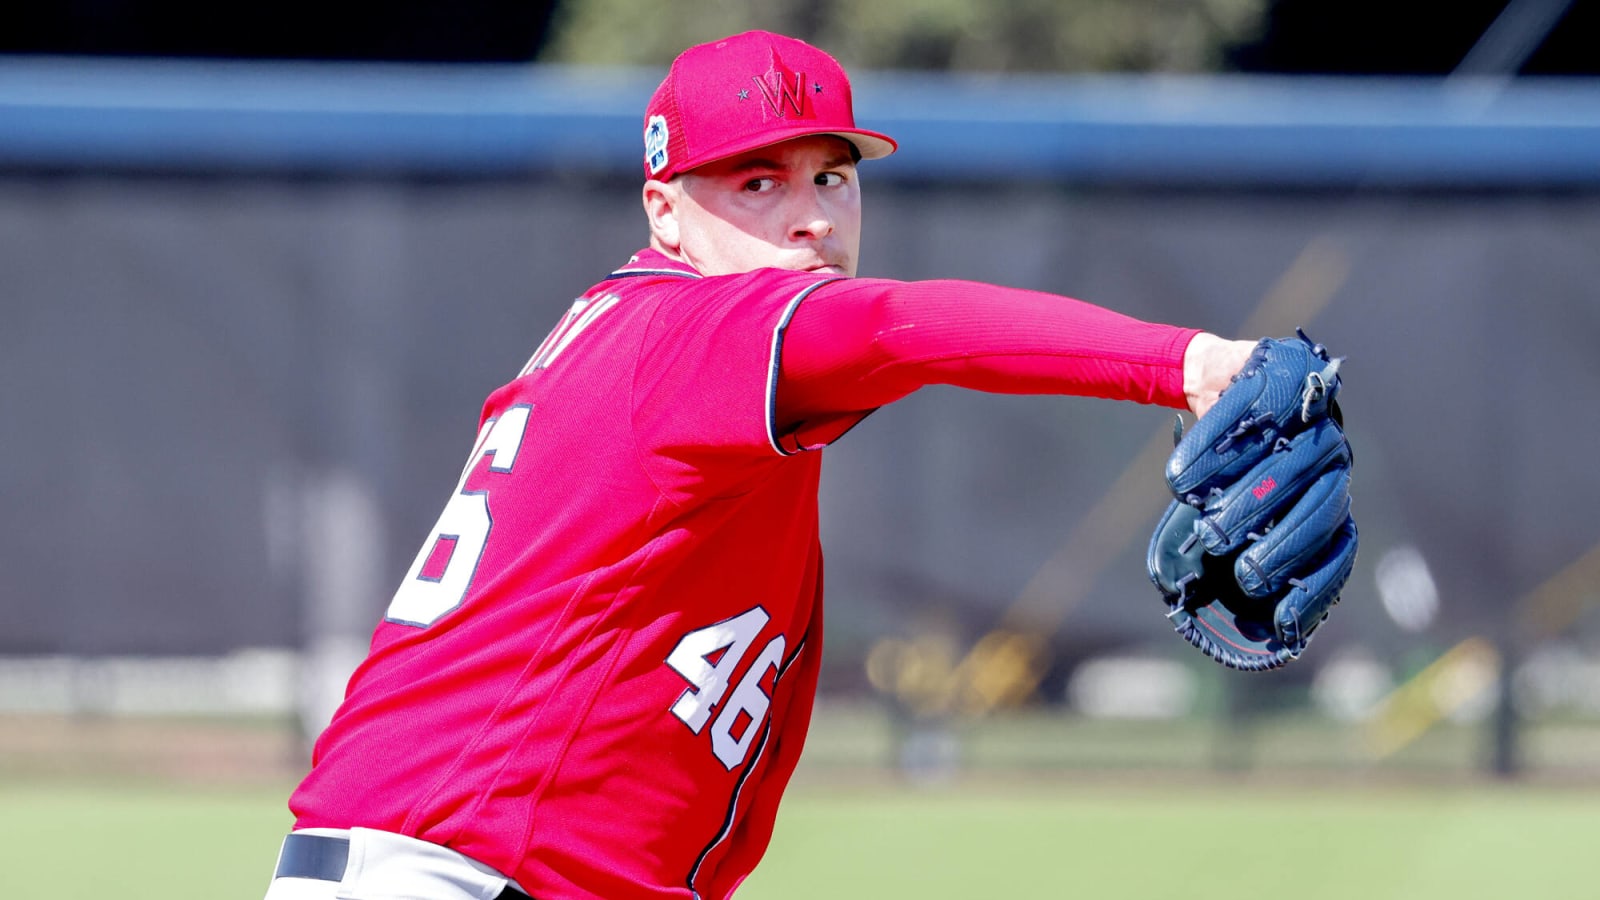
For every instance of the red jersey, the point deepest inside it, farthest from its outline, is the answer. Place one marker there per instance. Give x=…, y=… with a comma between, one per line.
x=598, y=673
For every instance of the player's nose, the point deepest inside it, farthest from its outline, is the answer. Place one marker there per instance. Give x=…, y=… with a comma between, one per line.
x=810, y=219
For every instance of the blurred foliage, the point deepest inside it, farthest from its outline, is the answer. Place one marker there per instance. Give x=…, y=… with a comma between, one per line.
x=999, y=36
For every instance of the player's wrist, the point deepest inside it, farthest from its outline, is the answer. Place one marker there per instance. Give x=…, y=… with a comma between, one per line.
x=1209, y=364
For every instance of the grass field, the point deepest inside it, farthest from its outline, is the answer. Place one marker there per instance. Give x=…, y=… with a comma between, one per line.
x=75, y=841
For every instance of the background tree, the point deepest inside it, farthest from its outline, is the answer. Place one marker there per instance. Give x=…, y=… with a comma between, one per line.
x=1002, y=36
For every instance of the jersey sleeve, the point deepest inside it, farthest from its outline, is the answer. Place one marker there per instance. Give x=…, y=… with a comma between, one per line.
x=855, y=345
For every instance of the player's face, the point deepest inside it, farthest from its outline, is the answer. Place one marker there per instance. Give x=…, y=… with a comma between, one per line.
x=794, y=205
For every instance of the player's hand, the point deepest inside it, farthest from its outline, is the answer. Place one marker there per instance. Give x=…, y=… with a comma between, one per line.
x=1209, y=365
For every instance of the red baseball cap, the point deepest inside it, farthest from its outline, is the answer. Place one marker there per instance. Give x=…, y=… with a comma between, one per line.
x=746, y=91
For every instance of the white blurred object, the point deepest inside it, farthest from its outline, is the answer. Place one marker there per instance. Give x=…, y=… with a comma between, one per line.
x=1350, y=686
x=1132, y=688
x=250, y=681
x=344, y=577
x=1559, y=678
x=1407, y=589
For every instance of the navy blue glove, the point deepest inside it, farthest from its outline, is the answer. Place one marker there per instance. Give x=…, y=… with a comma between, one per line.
x=1254, y=551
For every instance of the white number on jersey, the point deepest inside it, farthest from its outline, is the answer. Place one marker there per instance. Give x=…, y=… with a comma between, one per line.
x=442, y=572
x=709, y=680
x=748, y=700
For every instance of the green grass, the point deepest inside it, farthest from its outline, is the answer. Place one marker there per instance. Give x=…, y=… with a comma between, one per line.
x=83, y=841
x=1194, y=844
x=1046, y=840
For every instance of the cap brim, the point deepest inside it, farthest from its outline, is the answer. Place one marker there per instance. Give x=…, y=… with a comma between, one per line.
x=870, y=144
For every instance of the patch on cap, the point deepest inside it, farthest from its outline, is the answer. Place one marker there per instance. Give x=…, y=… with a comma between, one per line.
x=655, y=143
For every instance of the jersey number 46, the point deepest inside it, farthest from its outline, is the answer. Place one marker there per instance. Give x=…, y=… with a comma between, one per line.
x=746, y=708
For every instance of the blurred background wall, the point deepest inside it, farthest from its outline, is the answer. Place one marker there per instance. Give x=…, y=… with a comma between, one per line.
x=256, y=279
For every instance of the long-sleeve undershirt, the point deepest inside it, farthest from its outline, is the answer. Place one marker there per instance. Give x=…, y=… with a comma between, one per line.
x=857, y=344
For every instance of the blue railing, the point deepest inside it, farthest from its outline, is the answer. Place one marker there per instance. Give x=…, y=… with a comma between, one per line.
x=505, y=120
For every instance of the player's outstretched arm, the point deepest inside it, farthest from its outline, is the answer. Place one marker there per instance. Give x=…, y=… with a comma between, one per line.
x=857, y=344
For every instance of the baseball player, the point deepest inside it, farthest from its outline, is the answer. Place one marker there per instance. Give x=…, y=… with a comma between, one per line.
x=597, y=675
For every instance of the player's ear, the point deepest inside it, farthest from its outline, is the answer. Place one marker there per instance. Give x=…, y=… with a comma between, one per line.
x=661, y=209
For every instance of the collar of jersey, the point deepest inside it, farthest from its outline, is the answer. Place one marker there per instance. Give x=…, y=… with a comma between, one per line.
x=651, y=262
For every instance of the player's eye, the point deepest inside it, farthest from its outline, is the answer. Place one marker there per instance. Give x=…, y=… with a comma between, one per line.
x=830, y=179
x=760, y=185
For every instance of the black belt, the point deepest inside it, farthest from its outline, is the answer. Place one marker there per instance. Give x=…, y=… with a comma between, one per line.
x=323, y=858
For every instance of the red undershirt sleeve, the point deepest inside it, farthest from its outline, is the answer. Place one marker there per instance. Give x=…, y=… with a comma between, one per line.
x=857, y=344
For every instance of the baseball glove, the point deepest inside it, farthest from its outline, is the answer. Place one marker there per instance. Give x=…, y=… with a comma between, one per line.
x=1254, y=551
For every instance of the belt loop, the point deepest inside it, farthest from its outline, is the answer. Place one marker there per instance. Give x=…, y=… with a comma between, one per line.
x=313, y=856
x=325, y=858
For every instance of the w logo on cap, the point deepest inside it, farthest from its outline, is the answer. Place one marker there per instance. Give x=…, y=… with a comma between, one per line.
x=785, y=90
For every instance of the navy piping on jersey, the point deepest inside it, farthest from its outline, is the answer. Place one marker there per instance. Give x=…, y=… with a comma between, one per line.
x=635, y=273
x=738, y=789
x=776, y=365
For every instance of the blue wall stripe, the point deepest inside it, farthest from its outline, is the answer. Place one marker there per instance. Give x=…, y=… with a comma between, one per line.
x=503, y=120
